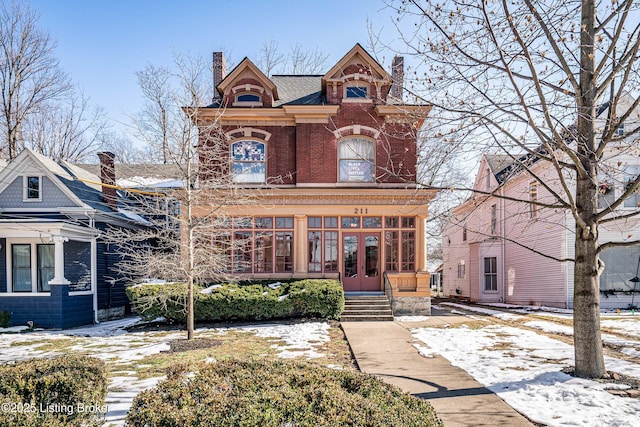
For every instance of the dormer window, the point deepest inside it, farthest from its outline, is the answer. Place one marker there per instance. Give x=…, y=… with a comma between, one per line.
x=247, y=95
x=248, y=162
x=355, y=91
x=248, y=100
x=32, y=190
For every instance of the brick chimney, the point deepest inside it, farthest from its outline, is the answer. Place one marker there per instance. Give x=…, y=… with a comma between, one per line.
x=219, y=73
x=108, y=178
x=397, y=75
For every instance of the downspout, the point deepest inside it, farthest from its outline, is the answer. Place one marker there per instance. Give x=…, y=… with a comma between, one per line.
x=502, y=246
x=94, y=267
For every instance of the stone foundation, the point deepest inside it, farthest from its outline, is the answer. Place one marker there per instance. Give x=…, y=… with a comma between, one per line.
x=411, y=306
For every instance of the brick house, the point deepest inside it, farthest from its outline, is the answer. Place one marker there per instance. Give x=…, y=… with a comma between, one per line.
x=335, y=157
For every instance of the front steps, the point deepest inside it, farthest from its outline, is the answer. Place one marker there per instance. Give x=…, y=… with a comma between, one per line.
x=366, y=308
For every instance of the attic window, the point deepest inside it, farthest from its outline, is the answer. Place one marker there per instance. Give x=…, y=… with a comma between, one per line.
x=32, y=191
x=356, y=92
x=248, y=99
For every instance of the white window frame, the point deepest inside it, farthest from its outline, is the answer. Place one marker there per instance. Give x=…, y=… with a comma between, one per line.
x=489, y=274
x=237, y=178
x=357, y=157
x=461, y=269
x=25, y=189
x=358, y=84
x=533, y=199
x=33, y=243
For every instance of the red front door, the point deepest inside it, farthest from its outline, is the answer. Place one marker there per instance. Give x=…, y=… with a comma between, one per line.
x=361, y=261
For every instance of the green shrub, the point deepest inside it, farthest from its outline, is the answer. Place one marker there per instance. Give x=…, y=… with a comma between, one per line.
x=277, y=393
x=304, y=298
x=5, y=319
x=64, y=391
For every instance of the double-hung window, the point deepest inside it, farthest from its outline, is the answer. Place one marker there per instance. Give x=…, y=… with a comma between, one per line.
x=357, y=157
x=248, y=162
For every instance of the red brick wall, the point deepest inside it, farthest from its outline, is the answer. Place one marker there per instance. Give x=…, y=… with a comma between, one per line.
x=228, y=98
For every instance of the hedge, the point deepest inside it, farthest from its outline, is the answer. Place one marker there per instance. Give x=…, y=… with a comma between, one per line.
x=5, y=319
x=303, y=298
x=277, y=393
x=63, y=391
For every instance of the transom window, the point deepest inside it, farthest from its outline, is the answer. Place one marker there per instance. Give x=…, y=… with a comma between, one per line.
x=357, y=157
x=248, y=164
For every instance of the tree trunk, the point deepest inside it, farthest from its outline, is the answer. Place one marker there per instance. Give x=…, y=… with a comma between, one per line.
x=589, y=357
x=190, y=311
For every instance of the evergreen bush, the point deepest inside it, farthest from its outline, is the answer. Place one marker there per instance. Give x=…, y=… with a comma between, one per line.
x=277, y=393
x=303, y=298
x=66, y=391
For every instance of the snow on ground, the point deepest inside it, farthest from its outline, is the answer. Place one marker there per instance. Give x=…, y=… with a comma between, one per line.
x=111, y=342
x=301, y=339
x=495, y=313
x=524, y=369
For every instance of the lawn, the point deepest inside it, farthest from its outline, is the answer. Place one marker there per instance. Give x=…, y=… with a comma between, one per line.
x=139, y=355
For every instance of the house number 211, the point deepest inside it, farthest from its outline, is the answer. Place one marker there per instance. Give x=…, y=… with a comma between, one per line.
x=360, y=211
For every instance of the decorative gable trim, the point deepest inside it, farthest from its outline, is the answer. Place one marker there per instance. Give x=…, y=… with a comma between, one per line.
x=357, y=55
x=356, y=130
x=29, y=163
x=246, y=68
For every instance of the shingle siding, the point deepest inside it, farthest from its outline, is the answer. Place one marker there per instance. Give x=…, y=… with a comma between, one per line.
x=52, y=196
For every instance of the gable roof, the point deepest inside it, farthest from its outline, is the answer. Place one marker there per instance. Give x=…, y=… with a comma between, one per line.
x=80, y=186
x=248, y=67
x=357, y=55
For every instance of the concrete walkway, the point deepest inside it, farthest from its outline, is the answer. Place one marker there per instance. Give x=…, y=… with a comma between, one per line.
x=385, y=349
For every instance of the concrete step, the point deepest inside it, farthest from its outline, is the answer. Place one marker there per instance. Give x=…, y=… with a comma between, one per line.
x=367, y=307
x=366, y=318
x=370, y=308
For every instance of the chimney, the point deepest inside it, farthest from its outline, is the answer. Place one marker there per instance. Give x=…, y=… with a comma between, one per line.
x=397, y=75
x=219, y=73
x=108, y=178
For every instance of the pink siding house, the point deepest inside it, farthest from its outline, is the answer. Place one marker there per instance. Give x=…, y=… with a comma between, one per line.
x=497, y=247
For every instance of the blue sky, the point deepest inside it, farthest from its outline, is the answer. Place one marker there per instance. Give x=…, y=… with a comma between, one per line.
x=102, y=43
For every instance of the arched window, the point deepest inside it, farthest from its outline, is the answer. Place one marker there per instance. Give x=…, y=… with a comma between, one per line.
x=357, y=157
x=248, y=161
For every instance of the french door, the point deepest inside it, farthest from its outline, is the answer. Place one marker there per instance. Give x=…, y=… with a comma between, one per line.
x=361, y=261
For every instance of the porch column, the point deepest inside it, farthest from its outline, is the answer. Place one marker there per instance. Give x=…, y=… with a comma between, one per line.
x=58, y=271
x=421, y=243
x=300, y=243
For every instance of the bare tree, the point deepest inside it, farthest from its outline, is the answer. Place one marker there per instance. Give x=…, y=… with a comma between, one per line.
x=269, y=57
x=186, y=232
x=299, y=61
x=153, y=120
x=532, y=77
x=30, y=75
x=306, y=61
x=66, y=129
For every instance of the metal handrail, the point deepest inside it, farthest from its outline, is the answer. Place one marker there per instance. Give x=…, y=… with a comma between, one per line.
x=388, y=289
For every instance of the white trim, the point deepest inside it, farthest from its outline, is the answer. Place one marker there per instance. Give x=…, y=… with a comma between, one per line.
x=94, y=277
x=25, y=188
